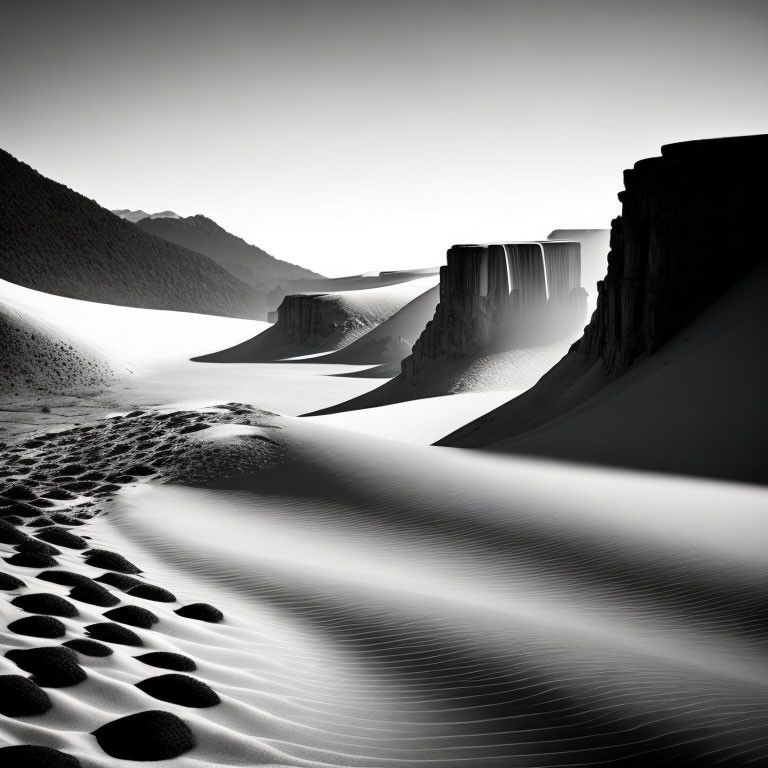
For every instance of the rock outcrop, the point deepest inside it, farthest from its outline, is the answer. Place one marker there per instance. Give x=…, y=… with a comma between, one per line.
x=595, y=244
x=309, y=324
x=502, y=296
x=685, y=234
x=671, y=372
x=390, y=342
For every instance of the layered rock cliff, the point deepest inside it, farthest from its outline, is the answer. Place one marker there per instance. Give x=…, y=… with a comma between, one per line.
x=672, y=369
x=685, y=234
x=500, y=297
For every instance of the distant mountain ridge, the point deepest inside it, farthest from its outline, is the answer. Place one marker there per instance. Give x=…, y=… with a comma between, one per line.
x=246, y=262
x=134, y=216
x=55, y=240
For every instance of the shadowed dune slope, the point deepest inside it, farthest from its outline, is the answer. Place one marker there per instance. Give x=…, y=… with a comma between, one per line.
x=55, y=240
x=316, y=323
x=509, y=370
x=500, y=612
x=393, y=339
x=671, y=371
x=697, y=406
x=35, y=355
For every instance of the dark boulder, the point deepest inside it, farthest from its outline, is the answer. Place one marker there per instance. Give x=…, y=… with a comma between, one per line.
x=52, y=667
x=114, y=633
x=62, y=538
x=88, y=647
x=133, y=615
x=29, y=756
x=151, y=735
x=109, y=561
x=38, y=626
x=46, y=603
x=180, y=689
x=152, y=592
x=166, y=660
x=94, y=594
x=201, y=612
x=21, y=697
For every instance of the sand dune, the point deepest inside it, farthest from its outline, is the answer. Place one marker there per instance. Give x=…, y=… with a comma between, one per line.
x=503, y=611
x=391, y=340
x=35, y=356
x=128, y=337
x=703, y=392
x=312, y=324
x=510, y=370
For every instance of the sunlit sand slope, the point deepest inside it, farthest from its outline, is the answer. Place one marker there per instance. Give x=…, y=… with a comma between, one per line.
x=383, y=604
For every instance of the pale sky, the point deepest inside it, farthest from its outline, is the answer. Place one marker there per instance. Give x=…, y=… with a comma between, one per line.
x=349, y=135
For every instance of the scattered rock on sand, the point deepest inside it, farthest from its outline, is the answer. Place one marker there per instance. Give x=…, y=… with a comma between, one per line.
x=180, y=689
x=165, y=660
x=88, y=647
x=20, y=697
x=152, y=592
x=114, y=633
x=133, y=615
x=110, y=561
x=30, y=544
x=94, y=594
x=201, y=612
x=46, y=603
x=63, y=538
x=28, y=756
x=9, y=534
x=151, y=735
x=38, y=626
x=9, y=582
x=119, y=581
x=52, y=667
x=32, y=560
x=65, y=578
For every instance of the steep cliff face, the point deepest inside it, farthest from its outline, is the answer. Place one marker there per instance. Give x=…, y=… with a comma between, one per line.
x=685, y=234
x=682, y=313
x=499, y=297
x=595, y=244
x=312, y=319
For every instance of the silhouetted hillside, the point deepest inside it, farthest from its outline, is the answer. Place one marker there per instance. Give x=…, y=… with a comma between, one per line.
x=246, y=262
x=55, y=240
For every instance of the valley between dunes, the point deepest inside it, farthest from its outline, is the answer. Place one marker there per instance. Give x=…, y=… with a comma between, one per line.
x=385, y=602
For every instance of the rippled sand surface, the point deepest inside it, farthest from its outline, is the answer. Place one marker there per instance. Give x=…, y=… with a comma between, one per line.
x=402, y=605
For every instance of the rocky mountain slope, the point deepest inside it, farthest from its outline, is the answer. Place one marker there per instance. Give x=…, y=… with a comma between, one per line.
x=55, y=240
x=246, y=262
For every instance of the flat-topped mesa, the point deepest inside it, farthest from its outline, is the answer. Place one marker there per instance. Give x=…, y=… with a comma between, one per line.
x=502, y=296
x=308, y=318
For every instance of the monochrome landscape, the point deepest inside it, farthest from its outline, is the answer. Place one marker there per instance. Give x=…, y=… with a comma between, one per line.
x=496, y=497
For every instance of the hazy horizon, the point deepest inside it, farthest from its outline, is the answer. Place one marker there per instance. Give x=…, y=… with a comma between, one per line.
x=353, y=136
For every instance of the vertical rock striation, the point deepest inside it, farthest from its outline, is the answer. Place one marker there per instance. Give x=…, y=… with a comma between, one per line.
x=502, y=296
x=685, y=234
